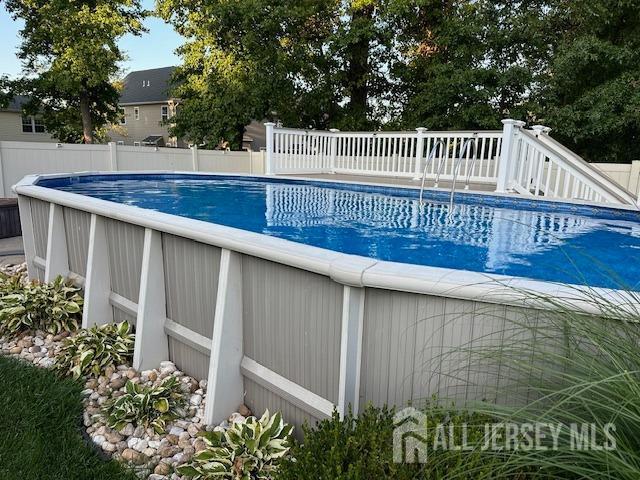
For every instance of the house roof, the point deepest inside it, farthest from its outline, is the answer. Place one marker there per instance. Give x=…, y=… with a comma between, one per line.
x=16, y=103
x=146, y=86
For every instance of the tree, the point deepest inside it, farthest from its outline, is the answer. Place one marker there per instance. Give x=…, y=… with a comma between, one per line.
x=310, y=63
x=469, y=64
x=592, y=99
x=70, y=56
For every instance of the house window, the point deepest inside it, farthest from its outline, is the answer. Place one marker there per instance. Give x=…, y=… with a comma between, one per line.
x=136, y=113
x=136, y=144
x=120, y=142
x=32, y=124
x=123, y=116
x=164, y=112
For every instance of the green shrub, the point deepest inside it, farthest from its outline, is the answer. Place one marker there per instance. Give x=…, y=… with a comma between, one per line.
x=252, y=449
x=360, y=448
x=92, y=350
x=152, y=406
x=52, y=307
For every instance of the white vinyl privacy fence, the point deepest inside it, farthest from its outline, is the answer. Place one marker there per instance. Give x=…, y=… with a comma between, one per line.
x=18, y=159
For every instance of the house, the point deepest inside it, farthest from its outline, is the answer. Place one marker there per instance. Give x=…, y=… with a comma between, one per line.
x=21, y=128
x=145, y=105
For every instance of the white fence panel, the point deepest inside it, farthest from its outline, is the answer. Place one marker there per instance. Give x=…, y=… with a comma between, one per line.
x=150, y=158
x=18, y=159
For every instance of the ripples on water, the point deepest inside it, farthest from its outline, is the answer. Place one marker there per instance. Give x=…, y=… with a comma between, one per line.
x=562, y=247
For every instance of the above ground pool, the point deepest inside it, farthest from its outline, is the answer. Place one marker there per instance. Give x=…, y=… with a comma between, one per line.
x=540, y=240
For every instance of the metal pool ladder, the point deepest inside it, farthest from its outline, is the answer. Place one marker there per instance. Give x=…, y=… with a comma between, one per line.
x=465, y=148
x=430, y=158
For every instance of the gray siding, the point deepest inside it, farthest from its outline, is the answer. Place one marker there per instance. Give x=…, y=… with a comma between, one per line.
x=191, y=283
x=416, y=346
x=121, y=316
x=259, y=399
x=292, y=324
x=126, y=242
x=188, y=360
x=77, y=225
x=40, y=216
x=191, y=280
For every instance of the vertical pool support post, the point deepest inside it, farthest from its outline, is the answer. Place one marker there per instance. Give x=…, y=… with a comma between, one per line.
x=28, y=238
x=417, y=172
x=333, y=150
x=97, y=283
x=507, y=155
x=350, y=349
x=152, y=344
x=57, y=261
x=225, y=383
x=269, y=168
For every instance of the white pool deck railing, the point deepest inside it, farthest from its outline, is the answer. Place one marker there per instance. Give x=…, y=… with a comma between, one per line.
x=516, y=160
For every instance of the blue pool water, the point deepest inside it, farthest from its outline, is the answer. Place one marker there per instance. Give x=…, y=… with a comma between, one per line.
x=516, y=237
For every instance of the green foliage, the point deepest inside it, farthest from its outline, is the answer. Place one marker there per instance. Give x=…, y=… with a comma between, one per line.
x=362, y=448
x=52, y=307
x=248, y=450
x=91, y=351
x=312, y=64
x=150, y=406
x=70, y=54
x=564, y=367
x=41, y=438
x=593, y=94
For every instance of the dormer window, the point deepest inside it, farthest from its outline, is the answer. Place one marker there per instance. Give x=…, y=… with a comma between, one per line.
x=146, y=83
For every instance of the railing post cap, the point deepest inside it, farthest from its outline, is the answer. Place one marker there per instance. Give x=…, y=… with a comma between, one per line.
x=517, y=123
x=269, y=124
x=334, y=130
x=421, y=129
x=541, y=129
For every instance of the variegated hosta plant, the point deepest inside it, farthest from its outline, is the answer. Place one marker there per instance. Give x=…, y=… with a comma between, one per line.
x=53, y=307
x=248, y=450
x=152, y=406
x=92, y=350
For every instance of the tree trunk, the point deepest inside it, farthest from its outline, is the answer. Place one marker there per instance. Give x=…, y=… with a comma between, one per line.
x=358, y=72
x=237, y=141
x=85, y=115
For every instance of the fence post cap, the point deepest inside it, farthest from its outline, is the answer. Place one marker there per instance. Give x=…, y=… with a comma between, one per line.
x=421, y=129
x=334, y=130
x=269, y=124
x=510, y=121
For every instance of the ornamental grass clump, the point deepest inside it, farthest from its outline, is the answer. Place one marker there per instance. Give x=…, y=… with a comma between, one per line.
x=579, y=373
x=91, y=351
x=248, y=450
x=149, y=406
x=51, y=307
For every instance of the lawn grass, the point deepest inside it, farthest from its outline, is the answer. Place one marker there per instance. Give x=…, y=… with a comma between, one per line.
x=40, y=429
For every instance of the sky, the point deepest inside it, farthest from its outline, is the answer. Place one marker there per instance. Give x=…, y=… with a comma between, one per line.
x=151, y=50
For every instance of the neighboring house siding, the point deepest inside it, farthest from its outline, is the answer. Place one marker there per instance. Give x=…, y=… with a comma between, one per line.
x=148, y=123
x=11, y=129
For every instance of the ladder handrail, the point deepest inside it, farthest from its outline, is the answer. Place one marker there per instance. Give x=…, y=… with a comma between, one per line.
x=429, y=160
x=465, y=147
